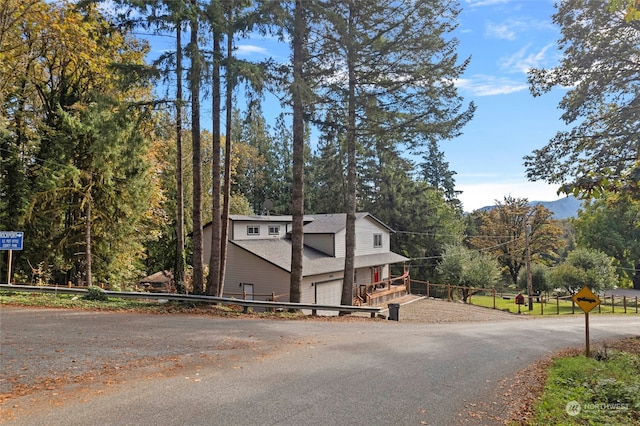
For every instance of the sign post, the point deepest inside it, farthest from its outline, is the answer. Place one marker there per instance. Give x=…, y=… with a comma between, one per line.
x=10, y=240
x=587, y=301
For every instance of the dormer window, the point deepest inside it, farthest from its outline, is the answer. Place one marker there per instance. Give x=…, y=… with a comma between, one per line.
x=377, y=240
x=274, y=230
x=253, y=230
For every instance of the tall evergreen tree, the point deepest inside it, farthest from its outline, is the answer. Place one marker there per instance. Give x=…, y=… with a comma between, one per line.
x=394, y=58
x=162, y=16
x=298, y=36
x=180, y=264
x=436, y=172
x=327, y=194
x=213, y=280
x=195, y=76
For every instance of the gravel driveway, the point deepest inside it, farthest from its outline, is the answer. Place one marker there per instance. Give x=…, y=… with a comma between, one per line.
x=422, y=310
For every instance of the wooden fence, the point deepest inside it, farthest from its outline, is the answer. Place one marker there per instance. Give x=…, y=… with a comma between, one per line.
x=438, y=291
x=609, y=303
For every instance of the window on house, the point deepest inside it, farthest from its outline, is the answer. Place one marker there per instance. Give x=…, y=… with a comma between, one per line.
x=377, y=240
x=274, y=230
x=253, y=230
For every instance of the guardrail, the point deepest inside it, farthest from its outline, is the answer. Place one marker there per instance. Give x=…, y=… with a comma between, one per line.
x=246, y=304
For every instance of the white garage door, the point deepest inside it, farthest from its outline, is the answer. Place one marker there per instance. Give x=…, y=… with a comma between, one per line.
x=329, y=292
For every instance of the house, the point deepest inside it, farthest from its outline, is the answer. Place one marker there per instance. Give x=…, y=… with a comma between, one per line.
x=259, y=257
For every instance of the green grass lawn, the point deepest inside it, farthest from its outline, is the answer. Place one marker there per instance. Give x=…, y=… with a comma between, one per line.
x=592, y=391
x=551, y=307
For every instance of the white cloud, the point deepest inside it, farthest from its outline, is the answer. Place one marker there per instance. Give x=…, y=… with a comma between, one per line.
x=249, y=49
x=507, y=30
x=523, y=60
x=500, y=31
x=478, y=195
x=513, y=28
x=486, y=85
x=480, y=3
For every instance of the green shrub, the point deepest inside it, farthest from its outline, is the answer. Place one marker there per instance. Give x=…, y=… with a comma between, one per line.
x=95, y=293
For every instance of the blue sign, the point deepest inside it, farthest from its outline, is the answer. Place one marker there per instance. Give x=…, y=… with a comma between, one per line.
x=10, y=240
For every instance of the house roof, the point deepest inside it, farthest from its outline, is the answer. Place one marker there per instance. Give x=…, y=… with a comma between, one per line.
x=161, y=277
x=278, y=253
x=313, y=224
x=334, y=223
x=265, y=218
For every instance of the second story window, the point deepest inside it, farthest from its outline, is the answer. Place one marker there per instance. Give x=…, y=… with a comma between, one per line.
x=377, y=240
x=253, y=230
x=274, y=230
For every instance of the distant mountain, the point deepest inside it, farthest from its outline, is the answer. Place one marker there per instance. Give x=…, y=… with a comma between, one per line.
x=563, y=208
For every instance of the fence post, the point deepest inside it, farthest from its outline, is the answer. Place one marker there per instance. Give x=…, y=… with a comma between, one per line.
x=573, y=306
x=636, y=304
x=542, y=306
x=624, y=303
x=427, y=289
x=494, y=298
x=558, y=304
x=613, y=304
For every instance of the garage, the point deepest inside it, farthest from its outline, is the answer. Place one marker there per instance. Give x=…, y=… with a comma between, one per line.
x=328, y=293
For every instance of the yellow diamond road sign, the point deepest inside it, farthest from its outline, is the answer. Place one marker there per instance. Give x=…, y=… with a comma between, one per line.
x=586, y=299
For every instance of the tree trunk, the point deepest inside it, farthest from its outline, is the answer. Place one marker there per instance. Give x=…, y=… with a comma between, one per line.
x=87, y=239
x=227, y=156
x=350, y=246
x=178, y=275
x=213, y=282
x=196, y=64
x=297, y=204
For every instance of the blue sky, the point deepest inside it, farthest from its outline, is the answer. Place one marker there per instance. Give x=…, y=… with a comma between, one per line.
x=504, y=38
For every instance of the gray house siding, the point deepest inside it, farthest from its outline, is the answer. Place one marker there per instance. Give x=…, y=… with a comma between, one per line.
x=341, y=249
x=240, y=230
x=244, y=267
x=366, y=228
x=321, y=242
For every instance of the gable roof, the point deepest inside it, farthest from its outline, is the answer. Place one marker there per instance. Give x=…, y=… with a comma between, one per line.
x=278, y=253
x=265, y=218
x=334, y=223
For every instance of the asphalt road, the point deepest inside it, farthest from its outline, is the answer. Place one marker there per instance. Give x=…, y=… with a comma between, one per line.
x=132, y=369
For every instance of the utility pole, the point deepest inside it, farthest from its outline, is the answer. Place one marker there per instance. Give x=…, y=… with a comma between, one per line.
x=528, y=264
